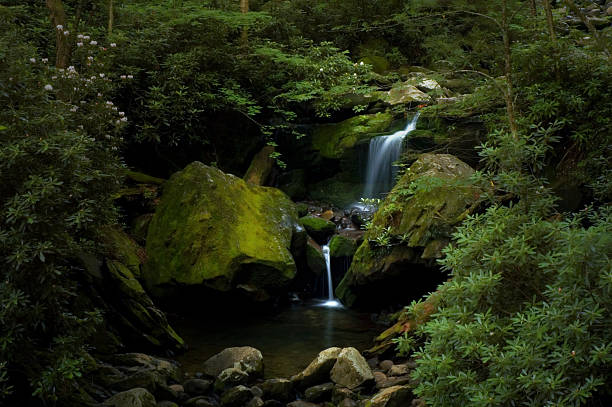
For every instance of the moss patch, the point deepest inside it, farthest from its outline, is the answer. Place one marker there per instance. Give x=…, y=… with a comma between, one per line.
x=340, y=246
x=318, y=228
x=214, y=229
x=332, y=140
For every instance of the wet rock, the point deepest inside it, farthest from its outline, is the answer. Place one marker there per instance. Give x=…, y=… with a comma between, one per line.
x=383, y=381
x=318, y=370
x=341, y=246
x=396, y=396
x=405, y=93
x=177, y=388
x=232, y=376
x=278, y=389
x=167, y=403
x=318, y=228
x=319, y=393
x=314, y=258
x=246, y=359
x=342, y=393
x=256, y=391
x=137, y=397
x=273, y=403
x=347, y=403
x=351, y=369
x=385, y=365
x=237, y=396
x=197, y=387
x=214, y=229
x=373, y=362
x=419, y=214
x=399, y=370
x=140, y=370
x=201, y=401
x=255, y=402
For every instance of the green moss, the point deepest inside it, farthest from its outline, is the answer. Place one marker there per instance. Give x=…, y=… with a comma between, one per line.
x=144, y=178
x=213, y=228
x=119, y=246
x=332, y=140
x=315, y=259
x=318, y=228
x=340, y=246
x=418, y=216
x=302, y=209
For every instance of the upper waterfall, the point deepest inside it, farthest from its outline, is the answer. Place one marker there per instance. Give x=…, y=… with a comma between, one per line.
x=383, y=152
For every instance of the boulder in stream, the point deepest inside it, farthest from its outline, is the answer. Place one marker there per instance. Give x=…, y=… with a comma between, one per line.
x=351, y=369
x=245, y=358
x=317, y=371
x=137, y=397
x=214, y=230
x=396, y=261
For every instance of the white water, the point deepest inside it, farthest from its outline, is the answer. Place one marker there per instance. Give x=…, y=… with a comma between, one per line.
x=384, y=151
x=331, y=301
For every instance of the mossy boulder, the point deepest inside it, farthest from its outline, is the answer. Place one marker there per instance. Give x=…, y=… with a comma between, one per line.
x=409, y=231
x=315, y=259
x=318, y=228
x=214, y=229
x=341, y=246
x=404, y=93
x=333, y=140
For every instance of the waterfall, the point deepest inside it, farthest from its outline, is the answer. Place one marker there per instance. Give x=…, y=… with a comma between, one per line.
x=331, y=301
x=384, y=151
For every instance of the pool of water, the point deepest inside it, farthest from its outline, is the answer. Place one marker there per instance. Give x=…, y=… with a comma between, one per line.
x=288, y=340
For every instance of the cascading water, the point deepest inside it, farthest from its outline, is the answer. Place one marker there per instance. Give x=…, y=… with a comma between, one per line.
x=331, y=301
x=384, y=151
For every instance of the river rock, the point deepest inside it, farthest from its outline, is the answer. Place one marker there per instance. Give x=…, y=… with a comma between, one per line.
x=319, y=393
x=255, y=402
x=341, y=246
x=137, y=397
x=318, y=228
x=201, y=401
x=351, y=369
x=237, y=396
x=399, y=370
x=247, y=359
x=342, y=393
x=315, y=259
x=214, y=229
x=140, y=370
x=396, y=396
x=404, y=93
x=418, y=217
x=278, y=389
x=318, y=370
x=166, y=403
x=197, y=387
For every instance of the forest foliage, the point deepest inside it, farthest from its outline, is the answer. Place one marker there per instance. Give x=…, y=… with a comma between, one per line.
x=525, y=319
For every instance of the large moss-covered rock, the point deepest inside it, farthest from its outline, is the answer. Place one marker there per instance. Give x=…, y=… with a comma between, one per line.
x=415, y=221
x=342, y=246
x=214, y=229
x=333, y=140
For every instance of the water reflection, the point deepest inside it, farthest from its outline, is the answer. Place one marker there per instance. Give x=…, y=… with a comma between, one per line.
x=288, y=340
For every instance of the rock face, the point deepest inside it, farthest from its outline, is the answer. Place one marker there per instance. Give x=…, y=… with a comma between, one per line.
x=137, y=397
x=404, y=93
x=245, y=359
x=416, y=220
x=129, y=308
x=351, y=369
x=214, y=229
x=333, y=140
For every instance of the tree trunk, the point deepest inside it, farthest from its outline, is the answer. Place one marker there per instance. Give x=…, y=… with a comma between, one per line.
x=533, y=8
x=509, y=94
x=244, y=8
x=58, y=19
x=549, y=21
x=111, y=16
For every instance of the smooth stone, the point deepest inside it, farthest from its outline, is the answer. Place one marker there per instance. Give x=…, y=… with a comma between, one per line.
x=177, y=388
x=396, y=396
x=347, y=403
x=318, y=370
x=237, y=396
x=233, y=376
x=256, y=391
x=351, y=369
x=385, y=365
x=201, y=401
x=278, y=389
x=319, y=393
x=341, y=393
x=197, y=387
x=246, y=358
x=399, y=370
x=256, y=402
x=301, y=403
x=137, y=397
x=167, y=403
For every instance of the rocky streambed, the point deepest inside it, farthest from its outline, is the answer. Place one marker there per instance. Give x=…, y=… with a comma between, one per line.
x=235, y=377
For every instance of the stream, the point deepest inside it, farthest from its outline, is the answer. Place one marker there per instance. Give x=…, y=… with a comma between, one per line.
x=288, y=340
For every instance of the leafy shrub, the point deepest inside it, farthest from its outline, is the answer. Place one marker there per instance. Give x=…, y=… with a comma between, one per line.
x=59, y=165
